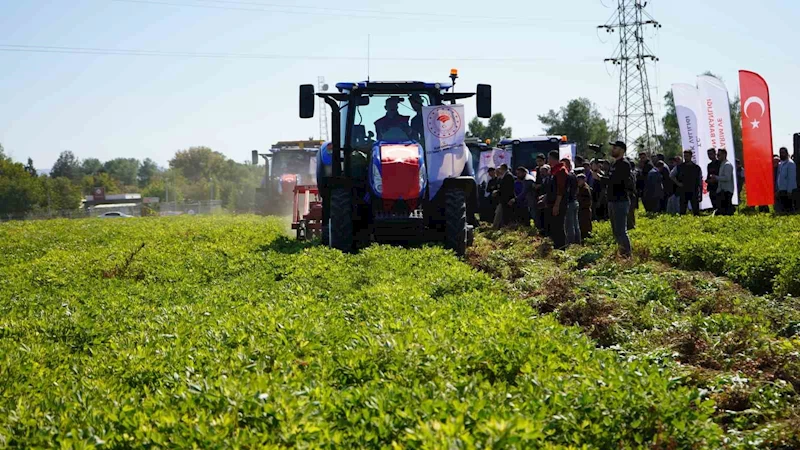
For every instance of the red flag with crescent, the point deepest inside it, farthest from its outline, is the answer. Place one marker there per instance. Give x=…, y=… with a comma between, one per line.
x=756, y=139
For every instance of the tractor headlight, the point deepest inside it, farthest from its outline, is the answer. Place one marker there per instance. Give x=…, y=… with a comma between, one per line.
x=377, y=180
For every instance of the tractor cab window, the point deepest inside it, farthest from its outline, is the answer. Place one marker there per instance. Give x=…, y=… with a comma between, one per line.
x=293, y=163
x=388, y=117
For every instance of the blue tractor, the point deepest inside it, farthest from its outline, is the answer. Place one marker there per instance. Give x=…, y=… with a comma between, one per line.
x=373, y=175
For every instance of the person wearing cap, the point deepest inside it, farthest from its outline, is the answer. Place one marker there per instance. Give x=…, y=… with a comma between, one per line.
x=689, y=183
x=417, y=129
x=620, y=187
x=584, y=206
x=392, y=119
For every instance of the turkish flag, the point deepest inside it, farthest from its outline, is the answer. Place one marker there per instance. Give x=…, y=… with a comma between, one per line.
x=756, y=139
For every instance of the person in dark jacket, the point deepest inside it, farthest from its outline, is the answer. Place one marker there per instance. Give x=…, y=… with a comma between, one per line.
x=504, y=196
x=585, y=207
x=557, y=201
x=488, y=201
x=634, y=197
x=523, y=196
x=541, y=200
x=620, y=185
x=666, y=181
x=643, y=171
x=571, y=224
x=689, y=183
x=654, y=189
x=712, y=172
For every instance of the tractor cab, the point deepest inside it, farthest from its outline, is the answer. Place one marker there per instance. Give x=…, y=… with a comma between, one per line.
x=524, y=150
x=288, y=164
x=375, y=175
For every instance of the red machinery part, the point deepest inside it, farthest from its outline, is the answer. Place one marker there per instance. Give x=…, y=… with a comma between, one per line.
x=400, y=168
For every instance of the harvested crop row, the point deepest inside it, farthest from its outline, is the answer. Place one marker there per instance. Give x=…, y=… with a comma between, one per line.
x=219, y=332
x=740, y=350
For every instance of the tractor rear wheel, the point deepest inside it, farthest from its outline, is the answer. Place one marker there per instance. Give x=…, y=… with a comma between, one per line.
x=340, y=222
x=455, y=210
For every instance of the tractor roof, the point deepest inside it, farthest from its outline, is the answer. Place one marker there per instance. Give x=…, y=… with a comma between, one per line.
x=402, y=85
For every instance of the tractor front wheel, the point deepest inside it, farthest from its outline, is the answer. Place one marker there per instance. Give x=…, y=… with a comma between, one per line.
x=455, y=211
x=340, y=222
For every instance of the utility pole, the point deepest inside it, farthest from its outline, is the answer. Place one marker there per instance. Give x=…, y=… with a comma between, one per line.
x=635, y=122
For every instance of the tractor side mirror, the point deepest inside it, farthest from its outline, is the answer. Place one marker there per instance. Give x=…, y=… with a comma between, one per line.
x=484, y=101
x=306, y=101
x=255, y=157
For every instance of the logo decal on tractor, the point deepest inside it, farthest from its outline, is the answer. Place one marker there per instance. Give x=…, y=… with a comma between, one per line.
x=443, y=122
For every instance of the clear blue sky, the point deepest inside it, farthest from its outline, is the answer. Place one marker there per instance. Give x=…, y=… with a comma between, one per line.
x=108, y=106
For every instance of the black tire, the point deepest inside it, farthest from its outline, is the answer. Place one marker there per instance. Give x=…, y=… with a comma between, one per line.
x=455, y=211
x=340, y=231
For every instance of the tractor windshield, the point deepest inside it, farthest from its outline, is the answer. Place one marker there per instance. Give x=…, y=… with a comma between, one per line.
x=292, y=162
x=388, y=117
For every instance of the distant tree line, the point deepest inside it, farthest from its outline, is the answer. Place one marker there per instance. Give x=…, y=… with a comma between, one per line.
x=194, y=174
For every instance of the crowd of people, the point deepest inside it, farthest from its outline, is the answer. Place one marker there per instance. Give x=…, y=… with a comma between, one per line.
x=562, y=201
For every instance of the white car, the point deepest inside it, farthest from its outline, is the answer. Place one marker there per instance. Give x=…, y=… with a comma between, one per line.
x=113, y=214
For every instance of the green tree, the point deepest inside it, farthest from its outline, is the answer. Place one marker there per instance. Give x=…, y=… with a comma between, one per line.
x=29, y=168
x=580, y=122
x=670, y=139
x=494, y=130
x=19, y=191
x=67, y=165
x=126, y=170
x=147, y=171
x=60, y=194
x=91, y=166
x=103, y=180
x=199, y=163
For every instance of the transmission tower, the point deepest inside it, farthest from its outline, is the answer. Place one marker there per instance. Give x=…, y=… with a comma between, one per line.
x=323, y=110
x=635, y=122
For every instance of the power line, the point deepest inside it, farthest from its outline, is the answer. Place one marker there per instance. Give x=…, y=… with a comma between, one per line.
x=347, y=13
x=126, y=52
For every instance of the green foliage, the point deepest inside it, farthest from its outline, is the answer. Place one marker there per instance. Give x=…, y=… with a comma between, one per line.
x=101, y=179
x=19, y=190
x=219, y=332
x=147, y=171
x=91, y=166
x=60, y=194
x=756, y=251
x=580, y=122
x=67, y=165
x=494, y=130
x=30, y=168
x=670, y=139
x=125, y=170
x=199, y=163
x=739, y=350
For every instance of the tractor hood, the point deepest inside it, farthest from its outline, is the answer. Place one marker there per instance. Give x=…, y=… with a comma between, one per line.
x=397, y=170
